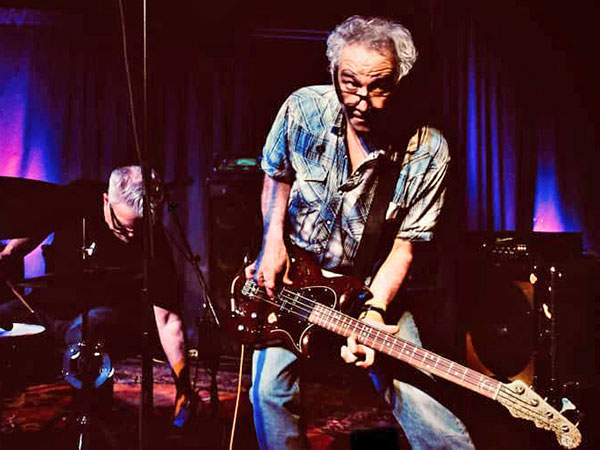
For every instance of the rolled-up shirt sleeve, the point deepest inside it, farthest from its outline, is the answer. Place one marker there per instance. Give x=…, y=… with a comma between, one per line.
x=424, y=208
x=275, y=162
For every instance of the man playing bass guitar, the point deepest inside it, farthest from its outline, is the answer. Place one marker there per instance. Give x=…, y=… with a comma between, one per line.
x=322, y=162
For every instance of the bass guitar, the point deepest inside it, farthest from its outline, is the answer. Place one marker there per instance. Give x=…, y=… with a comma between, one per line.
x=315, y=300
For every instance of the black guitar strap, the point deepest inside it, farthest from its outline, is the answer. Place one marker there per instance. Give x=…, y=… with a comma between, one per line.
x=372, y=236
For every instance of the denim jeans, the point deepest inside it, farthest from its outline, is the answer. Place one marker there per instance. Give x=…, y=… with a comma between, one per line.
x=275, y=396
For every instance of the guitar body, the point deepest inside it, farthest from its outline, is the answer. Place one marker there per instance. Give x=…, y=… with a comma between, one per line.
x=258, y=322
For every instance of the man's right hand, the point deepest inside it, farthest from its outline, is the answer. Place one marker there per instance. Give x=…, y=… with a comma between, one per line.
x=272, y=260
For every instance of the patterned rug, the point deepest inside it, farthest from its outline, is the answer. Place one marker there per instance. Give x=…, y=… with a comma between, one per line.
x=339, y=410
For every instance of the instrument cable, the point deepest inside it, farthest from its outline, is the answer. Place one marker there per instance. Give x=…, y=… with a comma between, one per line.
x=237, y=398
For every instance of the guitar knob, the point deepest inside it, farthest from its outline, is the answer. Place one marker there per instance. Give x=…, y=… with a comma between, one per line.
x=534, y=402
x=364, y=295
x=241, y=327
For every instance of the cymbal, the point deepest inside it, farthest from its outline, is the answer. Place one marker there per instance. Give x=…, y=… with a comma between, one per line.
x=88, y=278
x=21, y=330
x=31, y=207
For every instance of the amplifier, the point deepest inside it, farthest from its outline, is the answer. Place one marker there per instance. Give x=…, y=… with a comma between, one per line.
x=513, y=246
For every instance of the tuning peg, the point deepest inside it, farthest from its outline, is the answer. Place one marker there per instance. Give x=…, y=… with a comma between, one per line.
x=567, y=405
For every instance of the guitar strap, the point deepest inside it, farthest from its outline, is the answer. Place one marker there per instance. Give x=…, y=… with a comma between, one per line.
x=373, y=234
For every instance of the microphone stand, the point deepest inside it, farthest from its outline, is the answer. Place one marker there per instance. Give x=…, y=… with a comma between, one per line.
x=147, y=400
x=211, y=358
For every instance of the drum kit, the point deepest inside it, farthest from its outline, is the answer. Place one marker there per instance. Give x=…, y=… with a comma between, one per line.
x=85, y=365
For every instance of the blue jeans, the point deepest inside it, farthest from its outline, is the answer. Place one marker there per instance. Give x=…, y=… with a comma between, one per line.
x=275, y=396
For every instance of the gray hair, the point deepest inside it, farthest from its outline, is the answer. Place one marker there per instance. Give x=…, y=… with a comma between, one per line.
x=375, y=33
x=125, y=186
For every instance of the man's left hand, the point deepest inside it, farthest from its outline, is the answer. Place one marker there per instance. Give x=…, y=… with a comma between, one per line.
x=360, y=355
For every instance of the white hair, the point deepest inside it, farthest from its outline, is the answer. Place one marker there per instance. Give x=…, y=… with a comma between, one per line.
x=382, y=35
x=125, y=186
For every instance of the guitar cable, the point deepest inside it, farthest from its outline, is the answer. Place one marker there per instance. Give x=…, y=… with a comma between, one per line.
x=237, y=398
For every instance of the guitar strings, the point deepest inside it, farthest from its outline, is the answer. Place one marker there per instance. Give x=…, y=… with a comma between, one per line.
x=306, y=308
x=295, y=299
x=300, y=302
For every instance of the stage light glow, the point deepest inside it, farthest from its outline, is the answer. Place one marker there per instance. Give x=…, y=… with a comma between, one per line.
x=551, y=213
x=25, y=141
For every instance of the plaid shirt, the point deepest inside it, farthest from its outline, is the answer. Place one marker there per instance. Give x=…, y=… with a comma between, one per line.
x=328, y=205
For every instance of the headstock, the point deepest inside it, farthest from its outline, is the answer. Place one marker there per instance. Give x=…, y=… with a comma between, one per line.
x=523, y=402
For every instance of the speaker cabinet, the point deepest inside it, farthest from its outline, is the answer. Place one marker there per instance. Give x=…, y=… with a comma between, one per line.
x=539, y=328
x=235, y=230
x=499, y=321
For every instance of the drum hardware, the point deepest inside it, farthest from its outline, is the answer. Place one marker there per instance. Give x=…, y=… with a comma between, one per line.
x=74, y=367
x=79, y=360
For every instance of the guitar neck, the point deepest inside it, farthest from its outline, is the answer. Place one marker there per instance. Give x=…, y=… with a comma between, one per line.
x=402, y=350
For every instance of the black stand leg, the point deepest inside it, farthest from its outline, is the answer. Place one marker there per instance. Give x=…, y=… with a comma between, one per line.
x=208, y=324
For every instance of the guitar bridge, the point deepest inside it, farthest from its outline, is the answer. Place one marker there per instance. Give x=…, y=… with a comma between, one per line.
x=250, y=288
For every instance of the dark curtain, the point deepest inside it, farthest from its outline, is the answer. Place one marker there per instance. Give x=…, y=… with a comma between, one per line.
x=519, y=111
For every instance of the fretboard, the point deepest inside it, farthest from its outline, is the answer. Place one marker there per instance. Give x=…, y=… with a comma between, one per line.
x=395, y=347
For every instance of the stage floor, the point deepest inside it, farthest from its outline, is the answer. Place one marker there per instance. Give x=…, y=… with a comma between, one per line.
x=342, y=410
x=37, y=415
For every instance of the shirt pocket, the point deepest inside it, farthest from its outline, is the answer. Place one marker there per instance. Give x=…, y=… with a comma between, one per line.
x=312, y=183
x=308, y=196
